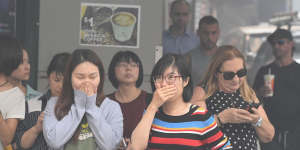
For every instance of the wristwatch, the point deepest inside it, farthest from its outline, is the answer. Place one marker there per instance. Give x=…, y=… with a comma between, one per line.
x=259, y=122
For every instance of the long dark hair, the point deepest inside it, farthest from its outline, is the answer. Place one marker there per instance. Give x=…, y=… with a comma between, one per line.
x=66, y=99
x=11, y=55
x=58, y=63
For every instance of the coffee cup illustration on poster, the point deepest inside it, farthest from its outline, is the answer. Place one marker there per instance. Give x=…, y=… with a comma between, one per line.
x=109, y=25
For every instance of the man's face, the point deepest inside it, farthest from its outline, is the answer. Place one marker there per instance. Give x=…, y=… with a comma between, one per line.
x=282, y=48
x=180, y=15
x=209, y=35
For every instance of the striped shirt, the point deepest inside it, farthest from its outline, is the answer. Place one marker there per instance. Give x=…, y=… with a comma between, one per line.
x=196, y=129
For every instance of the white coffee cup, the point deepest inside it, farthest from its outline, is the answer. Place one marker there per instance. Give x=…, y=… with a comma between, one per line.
x=123, y=24
x=269, y=82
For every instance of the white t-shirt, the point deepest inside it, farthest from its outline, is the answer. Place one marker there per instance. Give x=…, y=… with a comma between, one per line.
x=12, y=104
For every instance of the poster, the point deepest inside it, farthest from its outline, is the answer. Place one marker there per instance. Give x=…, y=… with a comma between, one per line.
x=7, y=17
x=109, y=25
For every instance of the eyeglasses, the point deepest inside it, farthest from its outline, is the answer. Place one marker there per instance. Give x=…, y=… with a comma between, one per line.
x=228, y=75
x=169, y=78
x=125, y=65
x=279, y=42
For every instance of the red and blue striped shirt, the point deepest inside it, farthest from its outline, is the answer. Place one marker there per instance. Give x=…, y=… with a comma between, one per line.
x=196, y=129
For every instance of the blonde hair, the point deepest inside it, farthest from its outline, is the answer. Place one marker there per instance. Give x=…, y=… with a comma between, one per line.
x=225, y=53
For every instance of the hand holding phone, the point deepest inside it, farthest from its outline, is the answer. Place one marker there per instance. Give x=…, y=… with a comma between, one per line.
x=253, y=105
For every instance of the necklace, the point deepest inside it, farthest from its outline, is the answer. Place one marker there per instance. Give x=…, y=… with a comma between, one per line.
x=3, y=83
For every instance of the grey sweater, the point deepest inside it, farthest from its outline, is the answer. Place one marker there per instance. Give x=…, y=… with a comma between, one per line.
x=106, y=122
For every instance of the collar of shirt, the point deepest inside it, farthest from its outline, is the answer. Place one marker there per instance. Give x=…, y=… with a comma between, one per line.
x=31, y=93
x=186, y=33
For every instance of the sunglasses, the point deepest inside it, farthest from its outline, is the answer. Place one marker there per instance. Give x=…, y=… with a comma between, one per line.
x=228, y=75
x=279, y=42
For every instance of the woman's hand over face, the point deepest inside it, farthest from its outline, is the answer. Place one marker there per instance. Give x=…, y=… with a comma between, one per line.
x=163, y=94
x=88, y=88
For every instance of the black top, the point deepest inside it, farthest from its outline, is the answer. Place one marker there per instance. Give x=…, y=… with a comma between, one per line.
x=283, y=108
x=29, y=121
x=242, y=136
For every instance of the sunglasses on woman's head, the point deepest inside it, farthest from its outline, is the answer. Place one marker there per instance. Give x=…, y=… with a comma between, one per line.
x=229, y=75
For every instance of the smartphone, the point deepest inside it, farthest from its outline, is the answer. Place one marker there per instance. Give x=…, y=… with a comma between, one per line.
x=255, y=105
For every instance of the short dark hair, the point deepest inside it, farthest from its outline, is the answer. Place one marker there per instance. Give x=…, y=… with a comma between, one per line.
x=11, y=55
x=207, y=20
x=176, y=61
x=280, y=34
x=58, y=63
x=177, y=2
x=66, y=99
x=124, y=56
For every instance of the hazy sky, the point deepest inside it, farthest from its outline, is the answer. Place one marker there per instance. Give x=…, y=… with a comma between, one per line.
x=296, y=5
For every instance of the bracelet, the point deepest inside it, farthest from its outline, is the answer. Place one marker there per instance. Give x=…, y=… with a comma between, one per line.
x=219, y=120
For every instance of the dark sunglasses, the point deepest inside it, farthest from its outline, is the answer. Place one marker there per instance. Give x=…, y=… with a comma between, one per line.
x=228, y=75
x=279, y=42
